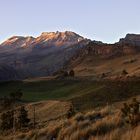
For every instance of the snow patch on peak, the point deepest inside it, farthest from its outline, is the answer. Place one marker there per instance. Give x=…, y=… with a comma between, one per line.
x=13, y=39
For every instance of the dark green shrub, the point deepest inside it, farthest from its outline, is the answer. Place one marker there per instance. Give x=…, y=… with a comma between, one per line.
x=124, y=72
x=131, y=112
x=70, y=112
x=17, y=95
x=72, y=73
x=7, y=120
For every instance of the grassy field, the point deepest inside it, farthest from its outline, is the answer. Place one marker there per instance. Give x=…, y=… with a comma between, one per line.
x=83, y=93
x=49, y=89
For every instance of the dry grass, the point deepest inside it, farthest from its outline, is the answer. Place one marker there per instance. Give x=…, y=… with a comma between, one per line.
x=93, y=125
x=44, y=113
x=110, y=67
x=133, y=134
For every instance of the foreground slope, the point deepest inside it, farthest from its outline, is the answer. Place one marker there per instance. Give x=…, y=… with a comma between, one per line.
x=103, y=124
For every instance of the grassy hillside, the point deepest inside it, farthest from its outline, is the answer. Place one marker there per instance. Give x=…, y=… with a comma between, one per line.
x=91, y=65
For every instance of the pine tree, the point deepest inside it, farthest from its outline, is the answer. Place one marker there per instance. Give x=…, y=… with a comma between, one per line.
x=7, y=120
x=23, y=120
x=4, y=124
x=72, y=73
x=70, y=112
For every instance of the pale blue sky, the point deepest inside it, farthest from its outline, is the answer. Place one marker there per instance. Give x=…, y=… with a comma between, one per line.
x=105, y=20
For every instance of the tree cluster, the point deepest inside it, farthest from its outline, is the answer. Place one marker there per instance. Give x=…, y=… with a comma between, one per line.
x=63, y=73
x=17, y=95
x=16, y=119
x=5, y=102
x=22, y=119
x=7, y=120
x=9, y=100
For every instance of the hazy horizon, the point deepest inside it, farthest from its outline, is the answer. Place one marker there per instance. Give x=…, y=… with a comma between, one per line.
x=105, y=21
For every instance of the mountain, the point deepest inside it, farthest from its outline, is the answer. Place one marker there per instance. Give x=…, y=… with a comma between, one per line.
x=28, y=57
x=46, y=39
x=41, y=56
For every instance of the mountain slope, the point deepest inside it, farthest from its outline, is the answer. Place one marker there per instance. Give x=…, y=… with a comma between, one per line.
x=98, y=58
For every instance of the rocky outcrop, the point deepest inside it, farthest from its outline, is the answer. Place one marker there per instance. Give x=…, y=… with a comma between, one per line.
x=131, y=40
x=17, y=42
x=128, y=45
